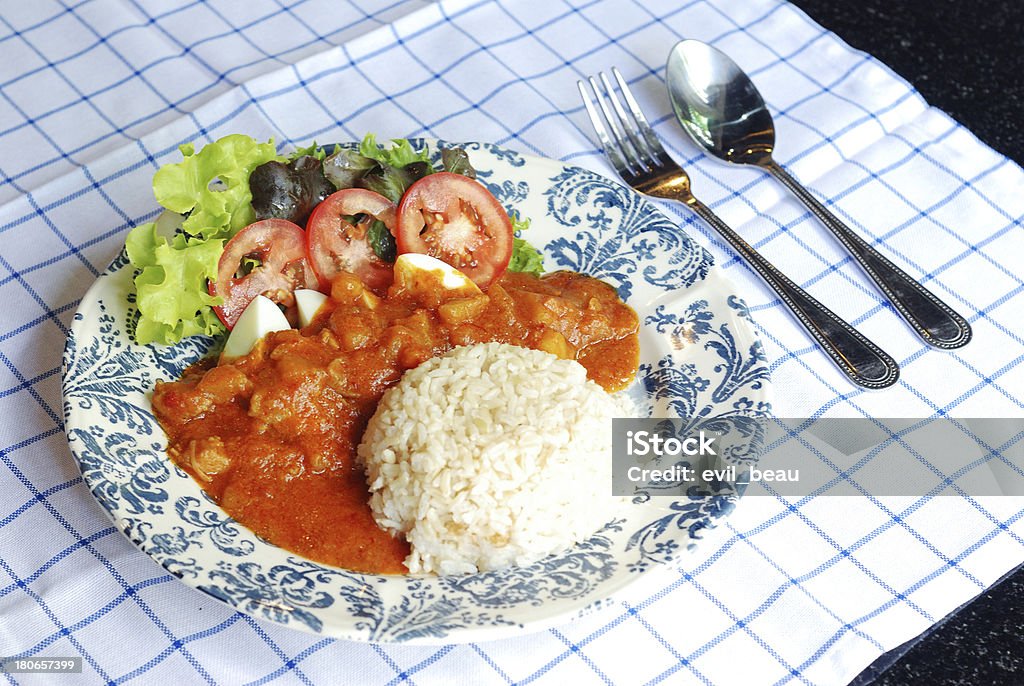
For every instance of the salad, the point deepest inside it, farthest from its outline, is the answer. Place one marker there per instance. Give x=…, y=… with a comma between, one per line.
x=244, y=221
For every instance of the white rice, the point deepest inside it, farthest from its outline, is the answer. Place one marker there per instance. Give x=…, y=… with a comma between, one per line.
x=489, y=456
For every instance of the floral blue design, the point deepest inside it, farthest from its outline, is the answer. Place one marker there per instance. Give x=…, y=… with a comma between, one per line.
x=291, y=591
x=507, y=192
x=700, y=362
x=120, y=472
x=105, y=373
x=120, y=261
x=425, y=613
x=739, y=368
x=569, y=575
x=617, y=233
x=281, y=593
x=685, y=391
x=658, y=542
x=169, y=544
x=223, y=532
x=509, y=157
x=679, y=385
x=696, y=317
x=172, y=360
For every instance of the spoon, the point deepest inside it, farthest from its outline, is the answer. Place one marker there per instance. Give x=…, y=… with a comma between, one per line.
x=722, y=111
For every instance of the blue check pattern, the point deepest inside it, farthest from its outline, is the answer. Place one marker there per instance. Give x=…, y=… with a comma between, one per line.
x=96, y=94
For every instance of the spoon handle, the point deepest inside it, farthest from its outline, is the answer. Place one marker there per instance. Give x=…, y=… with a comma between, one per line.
x=933, y=320
x=861, y=360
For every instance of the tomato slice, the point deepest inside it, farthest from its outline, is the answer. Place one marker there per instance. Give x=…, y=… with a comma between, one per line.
x=336, y=244
x=279, y=249
x=457, y=220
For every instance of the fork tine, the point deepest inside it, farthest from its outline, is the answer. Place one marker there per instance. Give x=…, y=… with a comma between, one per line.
x=610, y=149
x=629, y=155
x=628, y=123
x=654, y=147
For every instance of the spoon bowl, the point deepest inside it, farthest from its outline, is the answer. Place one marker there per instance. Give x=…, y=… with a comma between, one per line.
x=719, y=107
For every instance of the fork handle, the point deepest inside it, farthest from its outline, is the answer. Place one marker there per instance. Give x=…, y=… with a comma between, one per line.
x=933, y=320
x=861, y=360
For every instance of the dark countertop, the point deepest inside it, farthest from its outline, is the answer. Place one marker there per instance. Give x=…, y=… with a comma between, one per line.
x=965, y=58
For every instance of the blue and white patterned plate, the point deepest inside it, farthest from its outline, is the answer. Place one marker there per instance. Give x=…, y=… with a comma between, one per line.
x=699, y=358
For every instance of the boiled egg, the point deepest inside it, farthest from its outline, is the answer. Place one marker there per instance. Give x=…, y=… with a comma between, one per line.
x=309, y=303
x=414, y=270
x=259, y=318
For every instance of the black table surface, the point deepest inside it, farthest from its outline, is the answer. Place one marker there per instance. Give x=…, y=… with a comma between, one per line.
x=966, y=58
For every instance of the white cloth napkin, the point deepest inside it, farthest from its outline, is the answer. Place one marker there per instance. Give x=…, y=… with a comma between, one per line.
x=95, y=95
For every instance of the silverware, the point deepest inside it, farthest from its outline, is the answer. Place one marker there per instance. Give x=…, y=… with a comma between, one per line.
x=722, y=111
x=638, y=156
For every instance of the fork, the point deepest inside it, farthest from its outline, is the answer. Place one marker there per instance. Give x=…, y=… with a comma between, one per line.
x=633, y=148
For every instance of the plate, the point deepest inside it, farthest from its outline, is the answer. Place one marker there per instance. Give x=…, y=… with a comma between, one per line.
x=699, y=358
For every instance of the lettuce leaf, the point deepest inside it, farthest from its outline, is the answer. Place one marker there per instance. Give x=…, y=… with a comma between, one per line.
x=313, y=150
x=397, y=168
x=382, y=242
x=345, y=167
x=398, y=155
x=171, y=289
x=212, y=186
x=393, y=182
x=525, y=257
x=456, y=161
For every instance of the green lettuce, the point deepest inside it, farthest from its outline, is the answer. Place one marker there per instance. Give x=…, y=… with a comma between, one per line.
x=456, y=161
x=211, y=187
x=394, y=169
x=313, y=150
x=525, y=257
x=400, y=154
x=382, y=242
x=171, y=292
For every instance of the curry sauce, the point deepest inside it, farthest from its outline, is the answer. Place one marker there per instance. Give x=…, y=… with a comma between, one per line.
x=272, y=436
